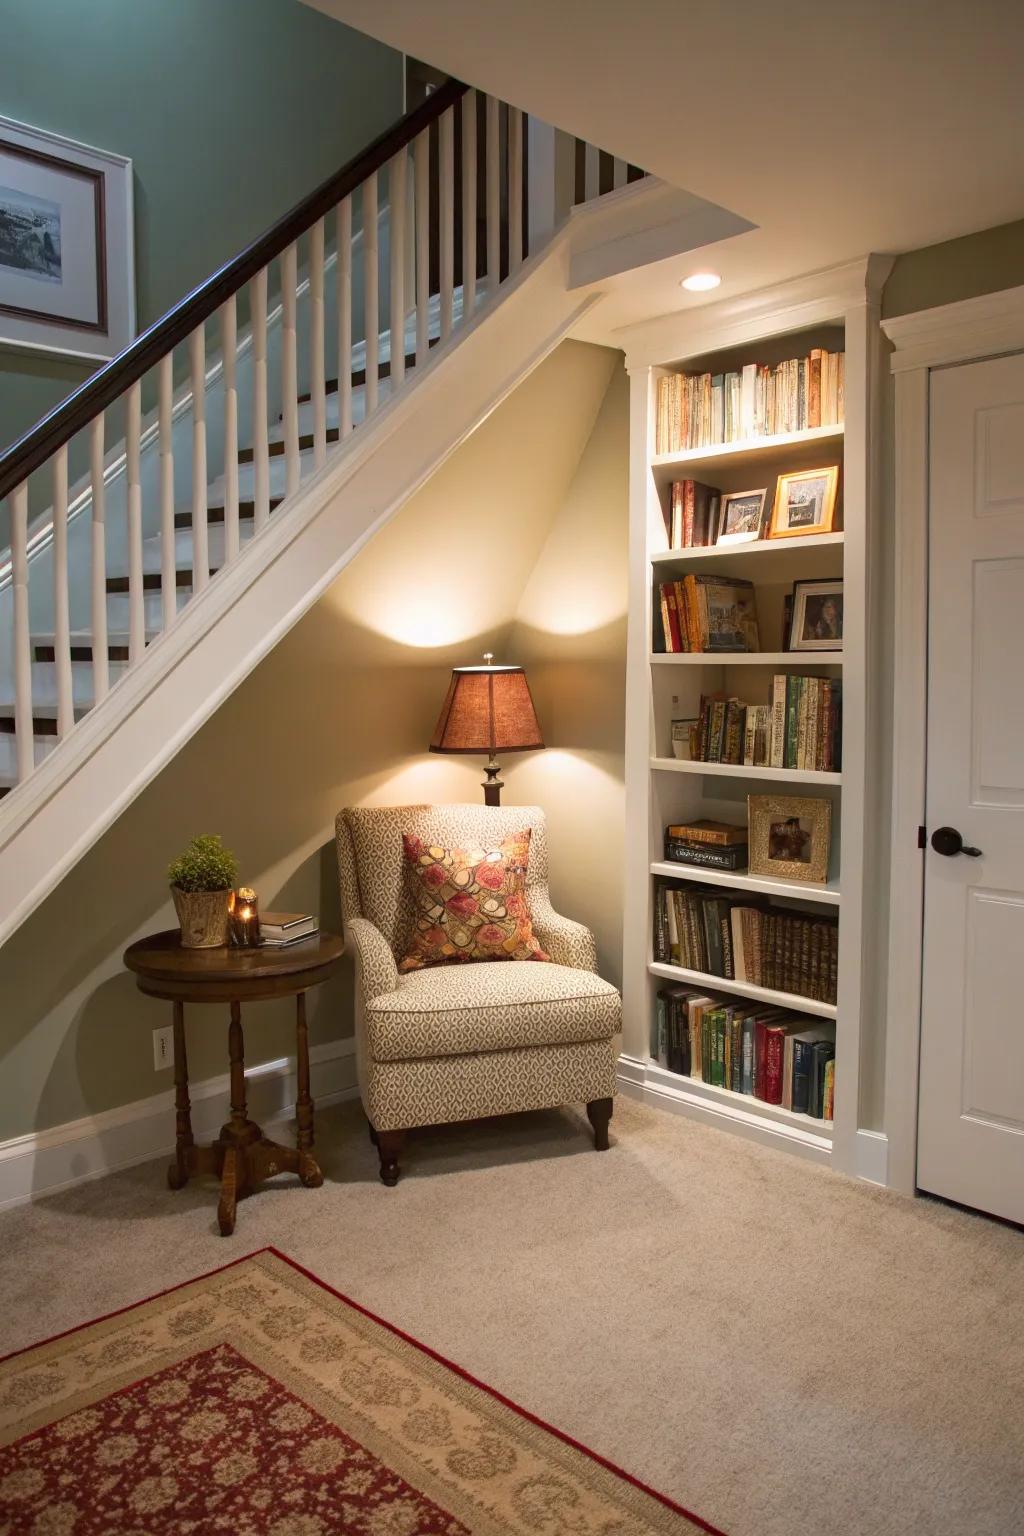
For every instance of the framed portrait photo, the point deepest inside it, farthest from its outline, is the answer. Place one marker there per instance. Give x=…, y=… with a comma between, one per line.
x=67, y=264
x=817, y=622
x=741, y=520
x=805, y=503
x=789, y=837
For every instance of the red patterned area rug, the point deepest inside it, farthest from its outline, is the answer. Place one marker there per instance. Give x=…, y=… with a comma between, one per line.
x=256, y=1401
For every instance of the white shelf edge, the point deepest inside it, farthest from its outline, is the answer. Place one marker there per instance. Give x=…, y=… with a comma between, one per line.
x=720, y=1107
x=828, y=893
x=742, y=771
x=748, y=446
x=758, y=547
x=744, y=989
x=747, y=658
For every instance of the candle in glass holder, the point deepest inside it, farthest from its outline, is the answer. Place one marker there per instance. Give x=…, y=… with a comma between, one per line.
x=245, y=919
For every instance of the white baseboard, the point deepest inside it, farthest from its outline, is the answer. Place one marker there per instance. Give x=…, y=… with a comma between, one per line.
x=43, y=1162
x=873, y=1157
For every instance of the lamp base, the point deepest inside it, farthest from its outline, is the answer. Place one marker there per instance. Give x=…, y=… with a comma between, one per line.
x=492, y=785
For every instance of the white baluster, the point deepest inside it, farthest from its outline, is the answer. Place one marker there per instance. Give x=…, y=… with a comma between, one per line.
x=468, y=204
x=133, y=491
x=23, y=732
x=592, y=173
x=446, y=177
x=515, y=190
x=200, y=531
x=168, y=554
x=421, y=155
x=397, y=173
x=493, y=195
x=317, y=381
x=260, y=454
x=344, y=233
x=100, y=655
x=61, y=626
x=290, y=369
x=229, y=360
x=370, y=290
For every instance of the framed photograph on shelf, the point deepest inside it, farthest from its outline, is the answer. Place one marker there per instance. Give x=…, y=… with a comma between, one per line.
x=817, y=622
x=67, y=262
x=790, y=837
x=741, y=520
x=805, y=503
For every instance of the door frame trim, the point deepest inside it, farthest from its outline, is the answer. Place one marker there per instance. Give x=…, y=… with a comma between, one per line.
x=946, y=336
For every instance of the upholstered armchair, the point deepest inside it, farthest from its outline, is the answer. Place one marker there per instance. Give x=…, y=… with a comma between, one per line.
x=458, y=1042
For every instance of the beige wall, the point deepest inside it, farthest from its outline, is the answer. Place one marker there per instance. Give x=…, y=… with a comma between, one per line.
x=957, y=269
x=340, y=712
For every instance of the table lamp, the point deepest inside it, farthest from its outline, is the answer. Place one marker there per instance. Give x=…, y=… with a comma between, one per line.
x=488, y=709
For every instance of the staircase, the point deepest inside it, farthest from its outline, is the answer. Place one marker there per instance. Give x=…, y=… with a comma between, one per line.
x=259, y=433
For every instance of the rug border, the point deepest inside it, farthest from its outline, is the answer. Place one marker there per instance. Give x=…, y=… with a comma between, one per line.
x=433, y=1354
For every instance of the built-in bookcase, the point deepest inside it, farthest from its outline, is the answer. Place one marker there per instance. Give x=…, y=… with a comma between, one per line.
x=838, y=311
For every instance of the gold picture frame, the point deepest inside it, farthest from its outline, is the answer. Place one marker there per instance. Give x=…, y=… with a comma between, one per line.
x=789, y=837
x=805, y=503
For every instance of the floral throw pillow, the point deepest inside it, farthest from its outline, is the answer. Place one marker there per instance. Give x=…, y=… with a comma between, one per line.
x=469, y=903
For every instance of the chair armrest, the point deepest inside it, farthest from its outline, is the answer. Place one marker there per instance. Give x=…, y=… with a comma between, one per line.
x=373, y=954
x=567, y=942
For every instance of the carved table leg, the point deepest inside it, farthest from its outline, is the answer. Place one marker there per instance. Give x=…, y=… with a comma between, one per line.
x=178, y=1172
x=228, y=1192
x=309, y=1169
x=599, y=1113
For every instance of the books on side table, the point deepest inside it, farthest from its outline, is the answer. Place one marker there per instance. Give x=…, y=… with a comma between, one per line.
x=278, y=930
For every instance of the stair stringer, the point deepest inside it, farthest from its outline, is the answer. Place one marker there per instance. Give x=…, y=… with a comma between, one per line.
x=52, y=820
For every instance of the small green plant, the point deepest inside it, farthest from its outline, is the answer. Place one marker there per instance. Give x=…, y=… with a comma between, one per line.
x=206, y=865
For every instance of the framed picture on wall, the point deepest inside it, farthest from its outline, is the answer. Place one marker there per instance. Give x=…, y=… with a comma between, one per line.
x=67, y=262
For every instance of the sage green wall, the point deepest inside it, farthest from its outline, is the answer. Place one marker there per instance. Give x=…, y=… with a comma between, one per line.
x=980, y=263
x=231, y=111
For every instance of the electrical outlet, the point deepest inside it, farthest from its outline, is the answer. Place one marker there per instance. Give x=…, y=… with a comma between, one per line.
x=163, y=1048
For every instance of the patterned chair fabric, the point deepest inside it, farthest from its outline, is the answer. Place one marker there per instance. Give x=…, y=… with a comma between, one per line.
x=461, y=1041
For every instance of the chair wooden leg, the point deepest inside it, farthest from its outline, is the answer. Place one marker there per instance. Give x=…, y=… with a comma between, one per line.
x=389, y=1146
x=599, y=1113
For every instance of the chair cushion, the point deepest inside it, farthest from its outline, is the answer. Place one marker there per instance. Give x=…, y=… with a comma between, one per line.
x=453, y=1010
x=470, y=903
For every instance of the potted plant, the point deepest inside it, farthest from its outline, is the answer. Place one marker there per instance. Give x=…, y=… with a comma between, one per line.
x=201, y=884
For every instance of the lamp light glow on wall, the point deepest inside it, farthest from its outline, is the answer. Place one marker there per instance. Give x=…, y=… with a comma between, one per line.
x=488, y=709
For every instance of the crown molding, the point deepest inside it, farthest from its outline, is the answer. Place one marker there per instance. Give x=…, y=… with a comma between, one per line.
x=955, y=333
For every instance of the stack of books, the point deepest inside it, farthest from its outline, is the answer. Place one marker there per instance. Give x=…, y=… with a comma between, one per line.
x=801, y=728
x=764, y=1052
x=703, y=409
x=708, y=613
x=744, y=940
x=708, y=844
x=279, y=929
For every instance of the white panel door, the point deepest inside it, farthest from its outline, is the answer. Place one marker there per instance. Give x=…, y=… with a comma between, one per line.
x=971, y=1117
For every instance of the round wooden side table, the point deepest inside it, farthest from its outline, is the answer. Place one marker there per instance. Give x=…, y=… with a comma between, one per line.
x=241, y=1156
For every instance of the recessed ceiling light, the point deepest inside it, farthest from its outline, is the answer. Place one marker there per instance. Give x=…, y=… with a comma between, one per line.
x=700, y=282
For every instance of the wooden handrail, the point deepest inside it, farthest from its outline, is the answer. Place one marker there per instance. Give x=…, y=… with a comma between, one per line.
x=111, y=381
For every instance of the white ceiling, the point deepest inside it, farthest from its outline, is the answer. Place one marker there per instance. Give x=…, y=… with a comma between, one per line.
x=835, y=128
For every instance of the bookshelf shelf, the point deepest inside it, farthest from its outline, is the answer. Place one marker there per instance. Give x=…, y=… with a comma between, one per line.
x=798, y=659
x=770, y=450
x=739, y=880
x=742, y=1103
x=743, y=771
x=760, y=549
x=744, y=989
x=838, y=312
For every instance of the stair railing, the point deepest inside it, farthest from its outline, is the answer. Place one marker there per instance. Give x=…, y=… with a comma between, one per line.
x=459, y=207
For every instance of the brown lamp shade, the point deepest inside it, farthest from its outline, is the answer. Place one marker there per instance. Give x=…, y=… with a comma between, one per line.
x=487, y=709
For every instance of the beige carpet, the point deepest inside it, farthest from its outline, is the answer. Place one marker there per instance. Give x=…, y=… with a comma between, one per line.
x=781, y=1350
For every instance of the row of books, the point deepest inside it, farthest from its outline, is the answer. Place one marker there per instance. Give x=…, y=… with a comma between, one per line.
x=802, y=727
x=744, y=939
x=692, y=521
x=754, y=1050
x=707, y=612
x=702, y=409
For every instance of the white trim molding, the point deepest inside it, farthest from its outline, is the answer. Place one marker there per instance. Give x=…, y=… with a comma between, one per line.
x=43, y=1162
x=944, y=336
